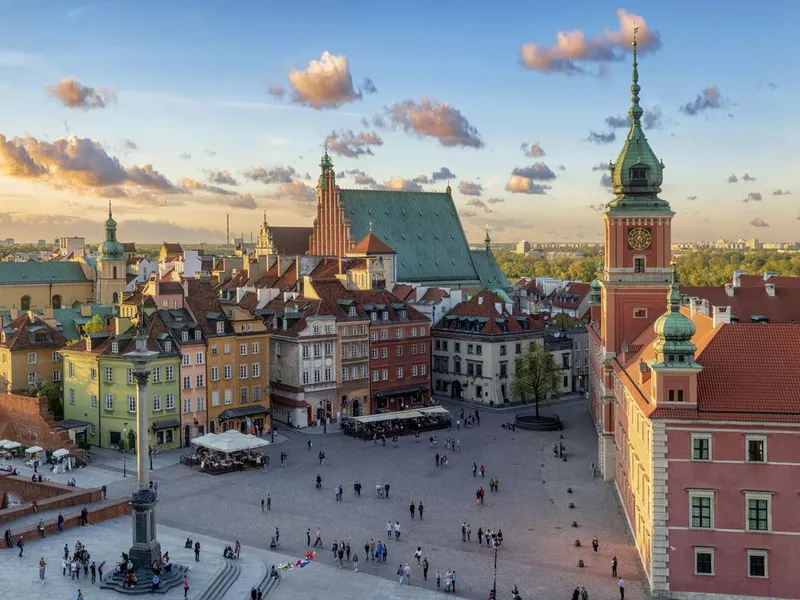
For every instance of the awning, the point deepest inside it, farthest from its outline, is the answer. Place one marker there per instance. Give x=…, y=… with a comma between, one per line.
x=434, y=410
x=288, y=401
x=242, y=411
x=72, y=424
x=11, y=445
x=34, y=450
x=60, y=452
x=401, y=391
x=390, y=416
x=229, y=441
x=166, y=424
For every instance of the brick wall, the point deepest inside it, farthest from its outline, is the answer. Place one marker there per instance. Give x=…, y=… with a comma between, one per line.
x=48, y=496
x=28, y=421
x=103, y=511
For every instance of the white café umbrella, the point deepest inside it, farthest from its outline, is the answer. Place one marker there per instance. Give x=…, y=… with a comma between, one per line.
x=12, y=445
x=60, y=452
x=34, y=450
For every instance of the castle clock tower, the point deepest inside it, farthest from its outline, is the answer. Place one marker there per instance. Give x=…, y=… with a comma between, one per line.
x=111, y=279
x=638, y=225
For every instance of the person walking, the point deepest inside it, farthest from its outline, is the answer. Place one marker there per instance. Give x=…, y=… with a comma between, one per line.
x=366, y=551
x=418, y=555
x=262, y=505
x=412, y=509
x=474, y=469
x=400, y=573
x=464, y=531
x=308, y=536
x=42, y=567
x=407, y=574
x=196, y=552
x=93, y=571
x=584, y=594
x=621, y=589
x=379, y=550
x=385, y=552
x=469, y=533
x=79, y=596
x=64, y=565
x=576, y=594
x=61, y=522
x=372, y=548
x=453, y=581
x=425, y=568
x=438, y=580
x=386, y=487
x=595, y=544
x=21, y=546
x=483, y=471
x=318, y=541
x=397, y=531
x=437, y=459
x=420, y=509
x=341, y=555
x=614, y=566
x=269, y=502
x=185, y=586
x=355, y=563
x=100, y=568
x=277, y=536
x=389, y=529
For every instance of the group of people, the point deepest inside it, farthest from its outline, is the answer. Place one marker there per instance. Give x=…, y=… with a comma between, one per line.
x=471, y=418
x=441, y=461
x=234, y=552
x=72, y=565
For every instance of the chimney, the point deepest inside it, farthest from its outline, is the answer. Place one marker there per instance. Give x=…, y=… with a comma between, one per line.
x=769, y=274
x=770, y=290
x=480, y=300
x=721, y=315
x=644, y=372
x=736, y=274
x=729, y=289
x=86, y=310
x=693, y=302
x=185, y=288
x=340, y=265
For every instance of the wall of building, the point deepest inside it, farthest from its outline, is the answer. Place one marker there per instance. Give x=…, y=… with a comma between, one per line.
x=218, y=358
x=353, y=392
x=16, y=368
x=393, y=361
x=193, y=397
x=28, y=421
x=41, y=294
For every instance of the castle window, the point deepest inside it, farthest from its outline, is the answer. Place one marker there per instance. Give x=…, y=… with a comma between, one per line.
x=56, y=302
x=25, y=303
x=114, y=272
x=638, y=175
x=639, y=264
x=114, y=298
x=639, y=313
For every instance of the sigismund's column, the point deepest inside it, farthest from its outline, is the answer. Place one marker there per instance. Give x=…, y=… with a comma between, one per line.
x=146, y=549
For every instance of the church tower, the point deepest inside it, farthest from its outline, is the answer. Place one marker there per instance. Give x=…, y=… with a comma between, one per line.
x=331, y=235
x=638, y=251
x=265, y=245
x=111, y=279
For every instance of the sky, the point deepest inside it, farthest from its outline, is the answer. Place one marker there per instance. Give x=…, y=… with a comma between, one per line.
x=181, y=112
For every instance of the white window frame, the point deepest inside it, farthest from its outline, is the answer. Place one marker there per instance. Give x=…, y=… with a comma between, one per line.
x=187, y=359
x=56, y=356
x=156, y=375
x=109, y=375
x=215, y=398
x=256, y=348
x=704, y=550
x=199, y=358
x=94, y=400
x=398, y=334
x=130, y=376
x=109, y=402
x=184, y=336
x=756, y=552
x=710, y=494
x=228, y=397
x=374, y=354
x=642, y=315
x=200, y=381
x=72, y=396
x=384, y=352
x=306, y=377
x=384, y=334
x=242, y=349
x=168, y=346
x=131, y=404
x=757, y=496
x=226, y=349
x=306, y=353
x=399, y=372
x=156, y=402
x=170, y=373
x=243, y=371
x=214, y=373
x=187, y=405
x=702, y=436
x=384, y=374
x=227, y=372
x=114, y=347
x=255, y=369
x=220, y=327
x=376, y=375
x=170, y=401
x=754, y=438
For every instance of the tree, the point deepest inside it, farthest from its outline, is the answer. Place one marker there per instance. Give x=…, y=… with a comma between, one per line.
x=52, y=391
x=95, y=325
x=537, y=375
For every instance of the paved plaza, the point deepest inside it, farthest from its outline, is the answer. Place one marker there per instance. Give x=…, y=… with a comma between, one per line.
x=538, y=552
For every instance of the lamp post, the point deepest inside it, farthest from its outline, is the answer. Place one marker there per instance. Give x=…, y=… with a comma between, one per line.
x=494, y=584
x=271, y=415
x=124, y=451
x=150, y=452
x=145, y=549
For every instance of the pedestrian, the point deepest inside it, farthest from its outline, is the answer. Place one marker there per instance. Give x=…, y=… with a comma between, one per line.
x=411, y=509
x=614, y=566
x=277, y=535
x=100, y=568
x=253, y=594
x=79, y=596
x=437, y=459
x=483, y=471
x=355, y=563
x=61, y=522
x=458, y=424
x=347, y=550
x=308, y=536
x=379, y=550
x=420, y=509
x=418, y=555
x=42, y=567
x=464, y=531
x=196, y=552
x=21, y=546
x=474, y=469
x=453, y=580
x=341, y=555
x=438, y=580
x=496, y=484
x=385, y=552
x=335, y=548
x=93, y=570
x=425, y=568
x=366, y=551
x=595, y=544
x=64, y=565
x=185, y=586
x=372, y=549
x=105, y=491
x=400, y=573
x=318, y=541
x=407, y=574
x=389, y=529
x=40, y=527
x=66, y=552
x=262, y=505
x=584, y=594
x=576, y=594
x=386, y=487
x=477, y=417
x=480, y=536
x=621, y=589
x=469, y=533
x=397, y=531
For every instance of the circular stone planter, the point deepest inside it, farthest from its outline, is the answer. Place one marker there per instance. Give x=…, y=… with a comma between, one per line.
x=543, y=423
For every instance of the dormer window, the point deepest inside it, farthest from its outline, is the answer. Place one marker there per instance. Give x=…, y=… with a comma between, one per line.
x=352, y=311
x=220, y=327
x=385, y=315
x=168, y=346
x=638, y=175
x=184, y=336
x=373, y=316
x=114, y=348
x=198, y=335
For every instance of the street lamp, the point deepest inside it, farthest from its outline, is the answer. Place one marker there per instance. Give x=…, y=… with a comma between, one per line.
x=150, y=452
x=124, y=451
x=493, y=595
x=271, y=415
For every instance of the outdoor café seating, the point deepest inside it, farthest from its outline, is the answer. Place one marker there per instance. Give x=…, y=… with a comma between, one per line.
x=226, y=452
x=391, y=424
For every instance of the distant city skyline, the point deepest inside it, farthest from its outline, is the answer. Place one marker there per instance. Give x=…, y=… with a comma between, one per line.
x=225, y=109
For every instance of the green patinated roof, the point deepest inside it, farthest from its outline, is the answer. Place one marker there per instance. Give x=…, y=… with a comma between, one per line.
x=489, y=271
x=70, y=318
x=17, y=273
x=674, y=331
x=430, y=245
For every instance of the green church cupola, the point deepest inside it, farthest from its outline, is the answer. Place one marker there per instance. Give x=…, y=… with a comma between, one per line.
x=324, y=166
x=487, y=241
x=674, y=331
x=111, y=248
x=637, y=175
x=596, y=293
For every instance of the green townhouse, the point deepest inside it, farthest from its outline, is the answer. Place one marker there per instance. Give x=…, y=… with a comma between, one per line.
x=99, y=387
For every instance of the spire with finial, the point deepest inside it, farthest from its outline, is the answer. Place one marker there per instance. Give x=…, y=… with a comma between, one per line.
x=487, y=241
x=674, y=331
x=635, y=111
x=370, y=225
x=325, y=165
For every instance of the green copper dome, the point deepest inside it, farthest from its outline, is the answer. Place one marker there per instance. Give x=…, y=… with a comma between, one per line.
x=111, y=249
x=674, y=331
x=637, y=175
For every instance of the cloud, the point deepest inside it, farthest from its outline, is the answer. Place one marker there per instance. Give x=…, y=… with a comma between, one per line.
x=422, y=178
x=603, y=166
x=268, y=176
x=368, y=87
x=597, y=137
x=184, y=156
x=496, y=200
x=470, y=189
x=80, y=164
x=467, y=214
x=782, y=193
x=772, y=86
x=442, y=174
x=753, y=197
x=348, y=143
x=759, y=222
x=438, y=120
x=532, y=150
x=361, y=178
x=233, y=199
x=651, y=119
x=401, y=185
x=276, y=91
x=618, y=122
x=573, y=50
x=598, y=207
x=605, y=181
x=524, y=185
x=296, y=191
x=325, y=83
x=538, y=171
x=478, y=203
x=210, y=152
x=561, y=168
x=733, y=179
x=129, y=146
x=710, y=98
x=74, y=95
x=747, y=177
x=691, y=198
x=221, y=177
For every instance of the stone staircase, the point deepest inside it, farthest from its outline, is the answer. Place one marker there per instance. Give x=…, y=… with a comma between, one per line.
x=221, y=581
x=267, y=583
x=144, y=583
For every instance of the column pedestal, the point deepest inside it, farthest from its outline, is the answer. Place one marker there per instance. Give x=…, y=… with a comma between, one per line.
x=146, y=549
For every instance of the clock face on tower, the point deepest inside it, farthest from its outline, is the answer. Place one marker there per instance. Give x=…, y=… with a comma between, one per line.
x=639, y=238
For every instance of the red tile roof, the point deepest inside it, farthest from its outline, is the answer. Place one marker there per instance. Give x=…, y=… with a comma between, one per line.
x=21, y=334
x=748, y=301
x=759, y=281
x=403, y=291
x=491, y=313
x=434, y=295
x=371, y=244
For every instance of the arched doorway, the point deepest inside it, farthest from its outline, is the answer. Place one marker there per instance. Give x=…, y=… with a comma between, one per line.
x=132, y=440
x=187, y=436
x=25, y=303
x=455, y=390
x=356, y=408
x=56, y=301
x=212, y=427
x=115, y=298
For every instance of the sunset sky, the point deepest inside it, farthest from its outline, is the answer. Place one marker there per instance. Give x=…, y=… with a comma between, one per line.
x=183, y=111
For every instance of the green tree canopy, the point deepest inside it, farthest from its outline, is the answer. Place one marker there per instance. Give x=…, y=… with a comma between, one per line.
x=95, y=325
x=52, y=391
x=536, y=375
